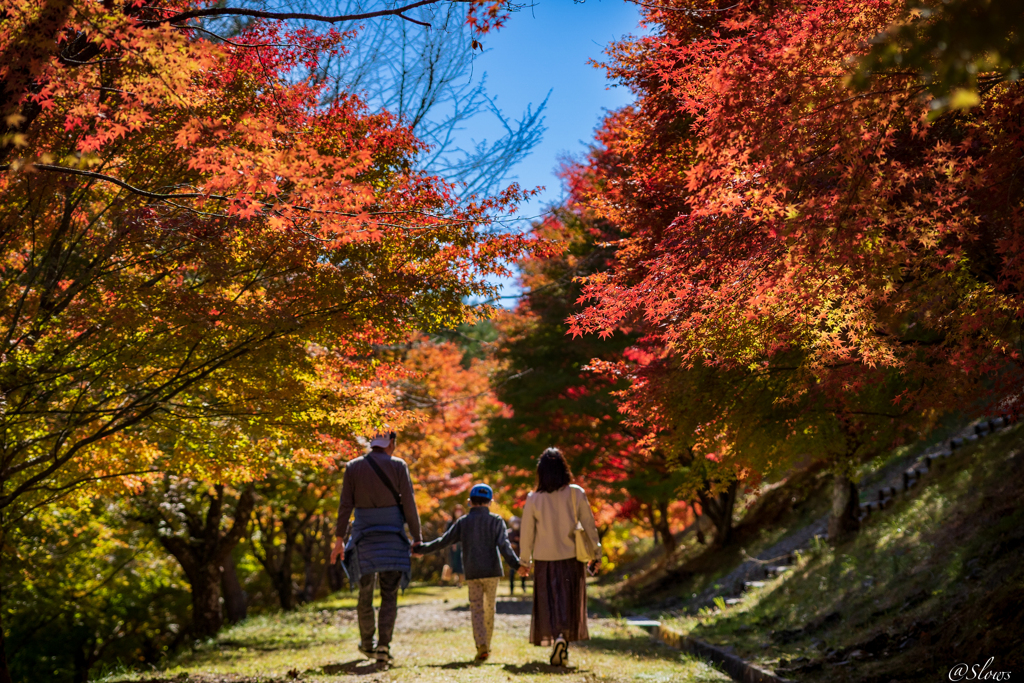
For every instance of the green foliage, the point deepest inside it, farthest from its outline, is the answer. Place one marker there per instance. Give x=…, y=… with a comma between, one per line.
x=955, y=47
x=554, y=399
x=84, y=589
x=946, y=556
x=476, y=339
x=293, y=529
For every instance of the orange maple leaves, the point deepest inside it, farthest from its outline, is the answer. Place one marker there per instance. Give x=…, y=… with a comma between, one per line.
x=205, y=221
x=813, y=216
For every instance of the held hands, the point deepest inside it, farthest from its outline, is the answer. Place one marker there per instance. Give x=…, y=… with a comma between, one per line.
x=338, y=551
x=416, y=548
x=523, y=571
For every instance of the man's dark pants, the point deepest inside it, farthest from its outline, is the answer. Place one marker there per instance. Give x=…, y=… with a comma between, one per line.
x=389, y=582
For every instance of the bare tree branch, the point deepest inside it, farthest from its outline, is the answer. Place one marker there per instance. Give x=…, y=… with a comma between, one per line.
x=261, y=14
x=116, y=181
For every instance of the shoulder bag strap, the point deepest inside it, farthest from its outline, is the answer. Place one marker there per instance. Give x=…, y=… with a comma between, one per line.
x=575, y=508
x=387, y=482
x=579, y=527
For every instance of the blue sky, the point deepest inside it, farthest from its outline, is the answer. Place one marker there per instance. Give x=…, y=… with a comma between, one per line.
x=546, y=48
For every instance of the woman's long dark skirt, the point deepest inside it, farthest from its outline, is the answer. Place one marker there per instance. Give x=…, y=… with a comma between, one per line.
x=559, y=601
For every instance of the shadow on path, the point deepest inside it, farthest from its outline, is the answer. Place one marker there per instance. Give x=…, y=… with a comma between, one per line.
x=357, y=667
x=457, y=665
x=539, y=668
x=503, y=607
x=637, y=646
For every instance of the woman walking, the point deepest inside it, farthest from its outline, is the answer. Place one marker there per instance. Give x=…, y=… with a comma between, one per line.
x=548, y=543
x=458, y=572
x=514, y=533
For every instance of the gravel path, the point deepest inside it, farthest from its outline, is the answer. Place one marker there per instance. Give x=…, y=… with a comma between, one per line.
x=433, y=644
x=510, y=615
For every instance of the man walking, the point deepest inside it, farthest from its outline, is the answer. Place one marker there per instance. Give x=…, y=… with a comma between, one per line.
x=378, y=487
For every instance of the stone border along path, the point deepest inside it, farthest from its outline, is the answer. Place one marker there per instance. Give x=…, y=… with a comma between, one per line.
x=736, y=668
x=779, y=557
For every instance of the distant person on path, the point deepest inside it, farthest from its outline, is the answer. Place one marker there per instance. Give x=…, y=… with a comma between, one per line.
x=455, y=552
x=514, y=534
x=378, y=487
x=484, y=540
x=549, y=542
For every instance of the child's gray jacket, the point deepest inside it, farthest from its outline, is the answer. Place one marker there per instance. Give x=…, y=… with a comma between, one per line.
x=483, y=536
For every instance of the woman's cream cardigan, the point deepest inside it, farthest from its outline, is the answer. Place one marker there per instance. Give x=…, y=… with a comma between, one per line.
x=549, y=524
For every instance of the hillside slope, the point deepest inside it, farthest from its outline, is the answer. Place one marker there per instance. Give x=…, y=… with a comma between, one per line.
x=934, y=581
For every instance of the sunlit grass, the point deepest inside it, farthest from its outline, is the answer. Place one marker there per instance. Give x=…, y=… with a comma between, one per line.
x=416, y=594
x=433, y=642
x=902, y=561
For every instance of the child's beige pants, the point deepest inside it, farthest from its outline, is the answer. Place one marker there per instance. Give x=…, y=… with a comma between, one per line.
x=481, y=609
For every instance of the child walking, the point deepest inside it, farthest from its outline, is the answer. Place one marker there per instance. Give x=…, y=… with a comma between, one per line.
x=484, y=540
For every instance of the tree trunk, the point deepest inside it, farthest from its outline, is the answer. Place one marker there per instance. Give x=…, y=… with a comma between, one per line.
x=649, y=513
x=276, y=558
x=5, y=672
x=277, y=562
x=701, y=523
x=719, y=510
x=311, y=581
x=204, y=577
x=81, y=674
x=664, y=528
x=207, y=616
x=845, y=509
x=281, y=578
x=313, y=550
x=86, y=656
x=203, y=549
x=236, y=602
x=335, y=577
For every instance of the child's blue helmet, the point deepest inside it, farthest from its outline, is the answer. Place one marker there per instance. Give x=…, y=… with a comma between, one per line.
x=481, y=491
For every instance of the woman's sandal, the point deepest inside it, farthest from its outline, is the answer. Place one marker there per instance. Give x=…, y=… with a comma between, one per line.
x=560, y=653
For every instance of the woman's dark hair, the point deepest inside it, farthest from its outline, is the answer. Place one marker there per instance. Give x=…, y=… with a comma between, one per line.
x=553, y=471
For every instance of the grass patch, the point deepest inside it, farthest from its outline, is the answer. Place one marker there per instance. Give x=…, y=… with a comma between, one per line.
x=433, y=643
x=925, y=585
x=785, y=508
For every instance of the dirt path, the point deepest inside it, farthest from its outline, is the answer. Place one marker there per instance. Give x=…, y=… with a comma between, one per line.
x=433, y=643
